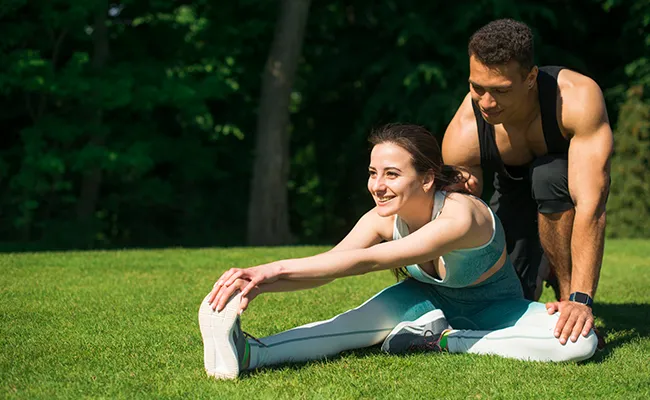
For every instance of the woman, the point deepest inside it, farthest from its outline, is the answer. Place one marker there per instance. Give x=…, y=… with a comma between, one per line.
x=449, y=246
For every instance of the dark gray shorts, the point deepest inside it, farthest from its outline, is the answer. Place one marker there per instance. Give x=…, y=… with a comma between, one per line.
x=549, y=177
x=516, y=203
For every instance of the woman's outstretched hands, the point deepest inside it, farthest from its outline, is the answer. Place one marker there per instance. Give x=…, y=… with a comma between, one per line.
x=246, y=280
x=220, y=295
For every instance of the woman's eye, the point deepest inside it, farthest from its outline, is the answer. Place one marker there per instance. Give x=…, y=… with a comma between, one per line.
x=392, y=174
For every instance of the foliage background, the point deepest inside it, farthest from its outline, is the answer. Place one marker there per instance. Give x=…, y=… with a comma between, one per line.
x=157, y=111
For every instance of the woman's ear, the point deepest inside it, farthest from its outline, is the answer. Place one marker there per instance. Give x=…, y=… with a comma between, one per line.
x=428, y=182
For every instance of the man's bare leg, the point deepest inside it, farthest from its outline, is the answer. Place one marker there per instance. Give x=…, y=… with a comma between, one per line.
x=555, y=236
x=543, y=274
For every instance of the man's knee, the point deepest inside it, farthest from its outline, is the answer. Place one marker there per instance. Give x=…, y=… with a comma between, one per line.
x=550, y=184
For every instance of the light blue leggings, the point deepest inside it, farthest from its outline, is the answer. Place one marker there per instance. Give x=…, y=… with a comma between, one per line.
x=490, y=318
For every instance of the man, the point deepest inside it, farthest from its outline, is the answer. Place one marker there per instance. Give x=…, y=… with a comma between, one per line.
x=544, y=134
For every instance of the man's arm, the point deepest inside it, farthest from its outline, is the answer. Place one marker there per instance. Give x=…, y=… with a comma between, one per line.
x=460, y=146
x=589, y=161
x=585, y=116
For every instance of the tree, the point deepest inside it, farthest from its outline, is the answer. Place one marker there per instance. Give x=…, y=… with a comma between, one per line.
x=268, y=211
x=91, y=181
x=628, y=209
x=165, y=121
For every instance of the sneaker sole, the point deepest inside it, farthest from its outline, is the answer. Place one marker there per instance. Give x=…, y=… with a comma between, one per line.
x=219, y=354
x=427, y=318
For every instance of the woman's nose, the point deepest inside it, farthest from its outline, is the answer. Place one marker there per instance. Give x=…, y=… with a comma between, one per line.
x=378, y=184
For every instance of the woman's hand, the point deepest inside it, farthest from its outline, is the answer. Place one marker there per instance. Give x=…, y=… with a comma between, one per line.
x=246, y=280
x=220, y=295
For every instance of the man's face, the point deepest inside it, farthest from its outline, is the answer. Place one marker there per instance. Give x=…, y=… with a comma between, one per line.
x=499, y=91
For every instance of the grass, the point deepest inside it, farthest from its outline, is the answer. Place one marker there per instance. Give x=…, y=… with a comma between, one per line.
x=123, y=324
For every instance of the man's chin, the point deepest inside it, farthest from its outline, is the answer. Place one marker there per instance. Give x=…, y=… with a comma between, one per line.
x=493, y=120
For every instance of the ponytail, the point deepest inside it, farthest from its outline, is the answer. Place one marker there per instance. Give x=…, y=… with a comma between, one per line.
x=452, y=179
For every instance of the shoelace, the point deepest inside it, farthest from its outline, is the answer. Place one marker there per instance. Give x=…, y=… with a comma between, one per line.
x=248, y=335
x=431, y=342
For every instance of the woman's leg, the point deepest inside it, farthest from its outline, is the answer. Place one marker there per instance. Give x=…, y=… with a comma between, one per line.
x=360, y=327
x=518, y=329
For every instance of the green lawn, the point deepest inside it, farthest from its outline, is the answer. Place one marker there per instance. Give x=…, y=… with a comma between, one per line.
x=123, y=324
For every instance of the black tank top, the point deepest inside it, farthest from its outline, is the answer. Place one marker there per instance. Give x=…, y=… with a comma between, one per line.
x=555, y=142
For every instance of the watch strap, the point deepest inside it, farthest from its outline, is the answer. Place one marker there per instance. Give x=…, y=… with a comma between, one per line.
x=583, y=298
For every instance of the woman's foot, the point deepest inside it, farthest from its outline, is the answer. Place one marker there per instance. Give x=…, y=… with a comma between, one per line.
x=423, y=334
x=226, y=351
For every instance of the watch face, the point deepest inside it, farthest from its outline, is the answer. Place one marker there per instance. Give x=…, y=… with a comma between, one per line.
x=581, y=298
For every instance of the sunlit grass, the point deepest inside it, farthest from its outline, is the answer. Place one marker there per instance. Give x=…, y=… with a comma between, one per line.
x=123, y=324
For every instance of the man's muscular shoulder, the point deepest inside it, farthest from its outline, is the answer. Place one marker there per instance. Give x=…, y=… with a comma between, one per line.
x=580, y=104
x=460, y=145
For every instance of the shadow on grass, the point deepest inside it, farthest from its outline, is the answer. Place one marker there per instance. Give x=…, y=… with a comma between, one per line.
x=624, y=321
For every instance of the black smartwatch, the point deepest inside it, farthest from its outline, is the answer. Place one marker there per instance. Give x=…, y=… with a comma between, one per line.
x=583, y=298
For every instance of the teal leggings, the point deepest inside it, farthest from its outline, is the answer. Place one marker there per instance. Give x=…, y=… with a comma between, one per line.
x=490, y=318
x=496, y=303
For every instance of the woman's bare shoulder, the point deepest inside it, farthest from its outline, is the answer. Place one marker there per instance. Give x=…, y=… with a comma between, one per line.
x=463, y=206
x=382, y=225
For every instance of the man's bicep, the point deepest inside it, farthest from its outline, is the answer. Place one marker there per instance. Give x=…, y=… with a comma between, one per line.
x=589, y=157
x=590, y=148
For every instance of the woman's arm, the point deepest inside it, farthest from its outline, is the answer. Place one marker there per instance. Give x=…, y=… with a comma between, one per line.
x=436, y=238
x=219, y=298
x=428, y=243
x=369, y=230
x=285, y=285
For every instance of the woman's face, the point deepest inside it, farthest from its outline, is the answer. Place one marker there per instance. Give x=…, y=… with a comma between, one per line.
x=393, y=181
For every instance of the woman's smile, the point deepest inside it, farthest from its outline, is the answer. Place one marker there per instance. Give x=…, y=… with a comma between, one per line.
x=383, y=199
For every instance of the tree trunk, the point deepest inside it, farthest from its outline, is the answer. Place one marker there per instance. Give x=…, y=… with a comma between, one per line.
x=268, y=211
x=92, y=179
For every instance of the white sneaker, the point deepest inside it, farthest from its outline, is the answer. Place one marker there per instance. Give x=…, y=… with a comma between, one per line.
x=423, y=334
x=226, y=351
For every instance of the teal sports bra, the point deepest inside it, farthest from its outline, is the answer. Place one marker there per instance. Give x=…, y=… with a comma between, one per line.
x=464, y=266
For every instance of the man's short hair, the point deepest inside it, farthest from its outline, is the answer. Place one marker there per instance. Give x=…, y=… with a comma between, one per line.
x=501, y=41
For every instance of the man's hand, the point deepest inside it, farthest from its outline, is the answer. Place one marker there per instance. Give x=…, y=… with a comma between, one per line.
x=575, y=318
x=471, y=185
